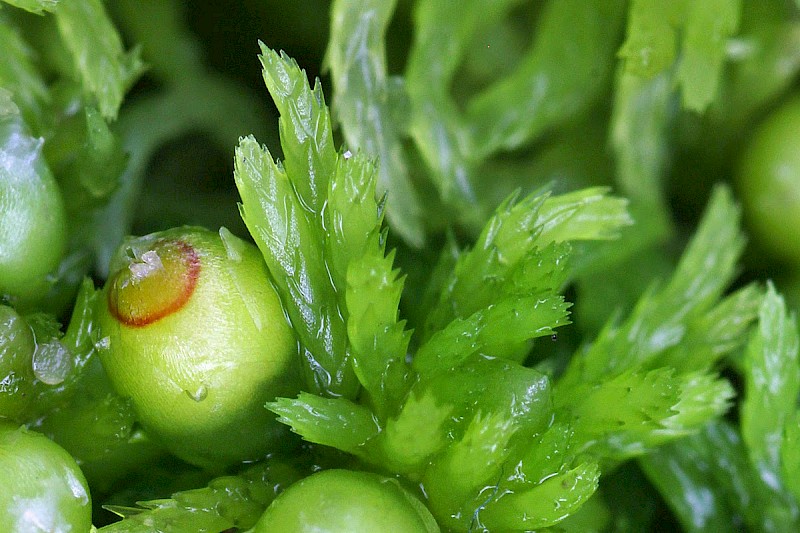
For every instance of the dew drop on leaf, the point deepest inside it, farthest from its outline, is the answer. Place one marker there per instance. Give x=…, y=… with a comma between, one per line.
x=199, y=394
x=103, y=344
x=51, y=362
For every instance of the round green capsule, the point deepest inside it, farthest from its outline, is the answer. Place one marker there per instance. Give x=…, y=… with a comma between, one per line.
x=195, y=335
x=769, y=183
x=43, y=490
x=32, y=218
x=338, y=501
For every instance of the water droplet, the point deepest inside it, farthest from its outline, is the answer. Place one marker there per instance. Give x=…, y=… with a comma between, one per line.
x=103, y=344
x=51, y=362
x=199, y=394
x=10, y=383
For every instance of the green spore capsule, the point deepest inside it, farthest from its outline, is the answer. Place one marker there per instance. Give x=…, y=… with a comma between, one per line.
x=332, y=501
x=32, y=219
x=769, y=183
x=193, y=332
x=43, y=489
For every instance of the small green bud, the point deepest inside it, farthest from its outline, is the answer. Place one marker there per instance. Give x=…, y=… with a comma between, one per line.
x=32, y=219
x=195, y=335
x=342, y=500
x=43, y=489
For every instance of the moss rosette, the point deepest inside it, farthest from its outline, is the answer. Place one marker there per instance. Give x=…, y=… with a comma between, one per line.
x=207, y=347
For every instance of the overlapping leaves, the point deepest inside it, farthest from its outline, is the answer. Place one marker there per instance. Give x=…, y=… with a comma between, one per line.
x=464, y=414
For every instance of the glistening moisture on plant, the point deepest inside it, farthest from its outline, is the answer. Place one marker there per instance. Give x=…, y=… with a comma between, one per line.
x=485, y=266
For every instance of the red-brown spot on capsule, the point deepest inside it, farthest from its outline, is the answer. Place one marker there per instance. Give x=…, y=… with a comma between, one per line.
x=155, y=284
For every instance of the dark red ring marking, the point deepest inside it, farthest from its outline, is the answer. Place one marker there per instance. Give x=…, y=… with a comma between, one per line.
x=190, y=275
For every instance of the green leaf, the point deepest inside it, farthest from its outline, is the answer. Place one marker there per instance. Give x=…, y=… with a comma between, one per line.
x=494, y=330
x=619, y=416
x=498, y=407
x=681, y=325
x=519, y=393
x=444, y=33
x=493, y=386
x=640, y=139
x=709, y=24
x=318, y=225
x=511, y=255
x=335, y=422
x=292, y=246
x=586, y=214
x=88, y=159
x=378, y=338
x=486, y=413
x=480, y=273
x=356, y=247
x=357, y=59
x=709, y=262
x=173, y=53
x=305, y=128
x=227, y=502
x=103, y=67
x=352, y=214
x=19, y=75
x=557, y=79
x=710, y=485
x=652, y=34
x=468, y=466
x=544, y=505
x=703, y=397
x=34, y=6
x=661, y=318
x=697, y=486
x=548, y=454
x=772, y=384
x=103, y=160
x=417, y=432
x=719, y=332
x=625, y=416
x=790, y=456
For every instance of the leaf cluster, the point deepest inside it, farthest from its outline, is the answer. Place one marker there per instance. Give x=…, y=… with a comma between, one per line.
x=749, y=473
x=494, y=444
